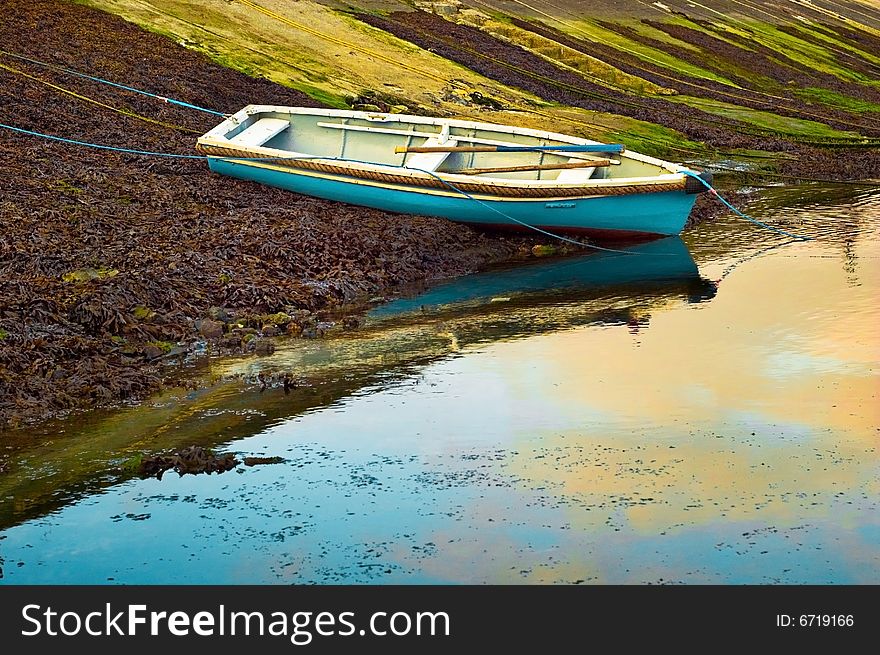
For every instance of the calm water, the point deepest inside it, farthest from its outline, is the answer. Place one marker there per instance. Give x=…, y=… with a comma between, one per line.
x=702, y=412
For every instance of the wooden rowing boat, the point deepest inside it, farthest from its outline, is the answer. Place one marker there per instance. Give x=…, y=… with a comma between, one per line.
x=470, y=172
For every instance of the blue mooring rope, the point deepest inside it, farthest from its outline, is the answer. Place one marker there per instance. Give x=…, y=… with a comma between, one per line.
x=148, y=153
x=715, y=193
x=108, y=82
x=97, y=145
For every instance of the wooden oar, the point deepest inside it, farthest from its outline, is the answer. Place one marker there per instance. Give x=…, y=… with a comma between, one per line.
x=536, y=167
x=599, y=147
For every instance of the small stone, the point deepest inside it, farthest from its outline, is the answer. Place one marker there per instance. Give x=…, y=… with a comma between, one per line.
x=231, y=342
x=177, y=351
x=257, y=461
x=210, y=329
x=444, y=9
x=152, y=352
x=543, y=250
x=270, y=331
x=142, y=313
x=220, y=314
x=264, y=346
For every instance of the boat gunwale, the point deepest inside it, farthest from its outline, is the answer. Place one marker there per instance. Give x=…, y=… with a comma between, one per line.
x=411, y=180
x=442, y=189
x=216, y=138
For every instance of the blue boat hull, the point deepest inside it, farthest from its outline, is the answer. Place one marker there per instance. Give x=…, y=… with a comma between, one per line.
x=618, y=216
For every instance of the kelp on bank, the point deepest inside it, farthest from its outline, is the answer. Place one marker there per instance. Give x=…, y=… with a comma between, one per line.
x=111, y=264
x=194, y=460
x=190, y=460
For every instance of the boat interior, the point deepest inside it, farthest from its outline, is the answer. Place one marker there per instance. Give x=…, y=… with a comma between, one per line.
x=374, y=139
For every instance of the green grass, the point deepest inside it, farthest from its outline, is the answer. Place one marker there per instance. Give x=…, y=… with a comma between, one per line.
x=809, y=55
x=600, y=34
x=838, y=43
x=763, y=119
x=725, y=66
x=838, y=100
x=580, y=60
x=66, y=187
x=323, y=96
x=142, y=313
x=289, y=68
x=88, y=274
x=659, y=35
x=164, y=346
x=655, y=140
x=684, y=21
x=750, y=153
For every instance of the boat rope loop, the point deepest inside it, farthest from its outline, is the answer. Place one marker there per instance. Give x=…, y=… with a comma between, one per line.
x=69, y=71
x=713, y=191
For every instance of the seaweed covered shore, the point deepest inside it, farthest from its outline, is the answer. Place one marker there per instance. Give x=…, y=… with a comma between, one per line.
x=110, y=264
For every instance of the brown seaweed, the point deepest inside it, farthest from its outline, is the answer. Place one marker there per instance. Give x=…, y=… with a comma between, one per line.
x=190, y=460
x=113, y=265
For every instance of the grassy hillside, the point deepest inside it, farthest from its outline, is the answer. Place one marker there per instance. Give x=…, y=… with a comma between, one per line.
x=722, y=79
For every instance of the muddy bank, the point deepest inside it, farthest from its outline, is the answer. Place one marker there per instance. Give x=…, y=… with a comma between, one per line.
x=111, y=264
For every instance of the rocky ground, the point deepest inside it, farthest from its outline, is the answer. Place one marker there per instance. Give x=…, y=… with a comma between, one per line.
x=111, y=264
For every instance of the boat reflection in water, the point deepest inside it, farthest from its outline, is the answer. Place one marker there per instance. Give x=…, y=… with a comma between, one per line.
x=660, y=268
x=400, y=340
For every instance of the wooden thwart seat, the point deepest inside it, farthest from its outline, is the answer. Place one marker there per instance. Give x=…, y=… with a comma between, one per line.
x=576, y=175
x=582, y=164
x=260, y=132
x=430, y=161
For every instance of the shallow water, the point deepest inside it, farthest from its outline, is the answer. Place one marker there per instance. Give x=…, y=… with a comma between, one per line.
x=702, y=412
